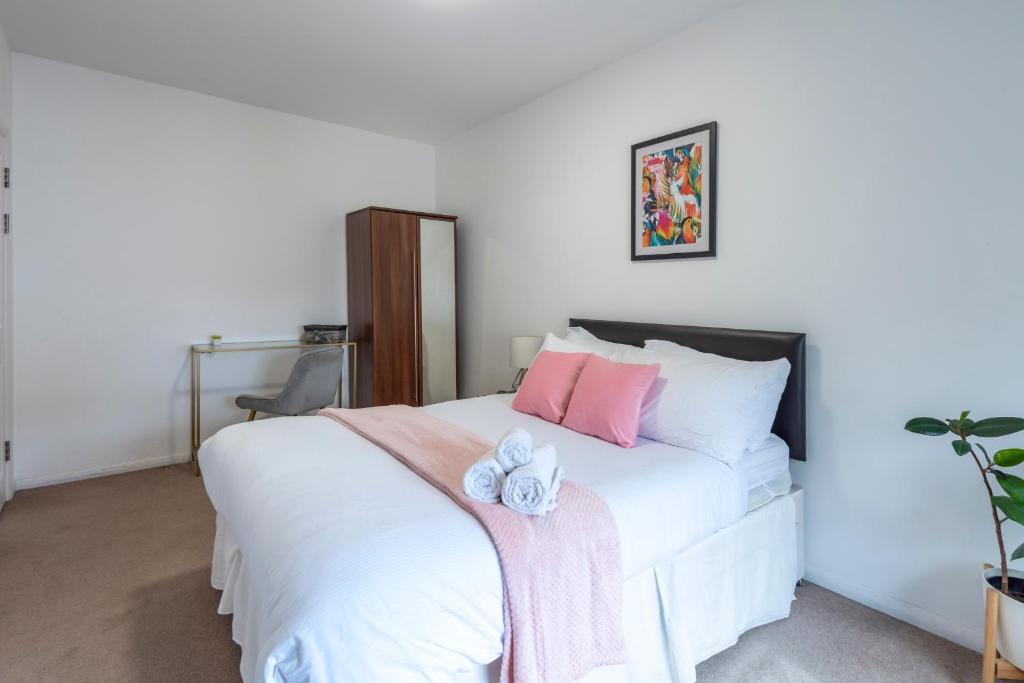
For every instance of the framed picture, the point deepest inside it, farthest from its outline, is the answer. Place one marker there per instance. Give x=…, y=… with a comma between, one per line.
x=673, y=195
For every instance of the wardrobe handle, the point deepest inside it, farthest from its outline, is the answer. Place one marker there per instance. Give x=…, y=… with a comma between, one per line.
x=416, y=323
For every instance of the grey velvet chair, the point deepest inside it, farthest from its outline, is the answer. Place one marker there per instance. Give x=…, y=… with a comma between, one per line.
x=312, y=384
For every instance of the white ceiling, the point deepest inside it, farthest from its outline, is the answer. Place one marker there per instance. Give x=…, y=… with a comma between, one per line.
x=420, y=69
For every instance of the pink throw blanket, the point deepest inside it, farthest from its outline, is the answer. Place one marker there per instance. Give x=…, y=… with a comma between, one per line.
x=562, y=572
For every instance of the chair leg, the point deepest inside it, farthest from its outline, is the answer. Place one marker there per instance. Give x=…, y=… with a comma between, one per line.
x=252, y=416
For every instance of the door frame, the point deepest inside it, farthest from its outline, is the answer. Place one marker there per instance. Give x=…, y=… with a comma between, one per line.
x=6, y=337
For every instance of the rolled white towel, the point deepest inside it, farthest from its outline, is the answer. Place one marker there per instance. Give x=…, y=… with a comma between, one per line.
x=484, y=479
x=531, y=489
x=514, y=449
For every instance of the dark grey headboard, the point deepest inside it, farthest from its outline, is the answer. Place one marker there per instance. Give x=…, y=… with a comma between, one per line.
x=790, y=421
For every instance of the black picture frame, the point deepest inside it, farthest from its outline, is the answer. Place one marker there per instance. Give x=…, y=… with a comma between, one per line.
x=709, y=171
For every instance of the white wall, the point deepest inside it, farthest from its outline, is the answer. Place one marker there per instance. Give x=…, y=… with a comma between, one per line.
x=150, y=217
x=869, y=171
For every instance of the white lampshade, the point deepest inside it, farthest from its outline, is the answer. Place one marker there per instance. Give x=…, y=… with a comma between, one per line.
x=521, y=350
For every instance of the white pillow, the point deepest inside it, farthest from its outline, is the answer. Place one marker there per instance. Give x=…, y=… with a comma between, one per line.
x=707, y=403
x=600, y=347
x=769, y=385
x=576, y=342
x=555, y=343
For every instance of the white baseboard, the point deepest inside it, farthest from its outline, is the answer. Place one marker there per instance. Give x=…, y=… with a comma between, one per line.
x=148, y=463
x=894, y=607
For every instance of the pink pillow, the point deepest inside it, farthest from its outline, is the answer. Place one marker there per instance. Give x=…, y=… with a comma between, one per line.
x=548, y=385
x=607, y=398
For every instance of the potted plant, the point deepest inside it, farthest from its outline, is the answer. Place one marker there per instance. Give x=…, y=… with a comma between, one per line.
x=1005, y=508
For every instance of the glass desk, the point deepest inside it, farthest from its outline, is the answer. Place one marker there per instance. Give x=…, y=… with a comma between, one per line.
x=228, y=347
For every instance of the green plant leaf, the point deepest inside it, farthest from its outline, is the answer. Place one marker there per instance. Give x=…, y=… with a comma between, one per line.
x=961, y=428
x=1010, y=508
x=1008, y=457
x=961, y=447
x=963, y=415
x=1018, y=553
x=998, y=426
x=928, y=426
x=1014, y=486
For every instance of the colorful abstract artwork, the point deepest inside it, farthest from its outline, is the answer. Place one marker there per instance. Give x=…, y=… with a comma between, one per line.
x=673, y=195
x=671, y=188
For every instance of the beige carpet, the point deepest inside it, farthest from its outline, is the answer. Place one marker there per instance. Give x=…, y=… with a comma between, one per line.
x=108, y=580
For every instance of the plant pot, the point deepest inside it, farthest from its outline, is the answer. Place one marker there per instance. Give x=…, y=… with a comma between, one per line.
x=1010, y=628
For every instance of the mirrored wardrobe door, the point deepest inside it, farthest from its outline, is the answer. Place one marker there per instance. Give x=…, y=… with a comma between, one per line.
x=437, y=310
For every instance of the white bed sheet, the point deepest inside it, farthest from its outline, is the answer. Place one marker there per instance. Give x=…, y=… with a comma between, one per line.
x=675, y=614
x=765, y=472
x=764, y=464
x=664, y=498
x=356, y=569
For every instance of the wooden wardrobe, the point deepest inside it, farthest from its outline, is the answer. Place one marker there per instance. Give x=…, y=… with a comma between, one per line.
x=401, y=306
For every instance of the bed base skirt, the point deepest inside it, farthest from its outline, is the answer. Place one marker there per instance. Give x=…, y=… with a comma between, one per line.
x=675, y=614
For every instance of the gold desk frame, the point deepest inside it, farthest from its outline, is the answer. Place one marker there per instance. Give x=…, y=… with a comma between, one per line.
x=198, y=350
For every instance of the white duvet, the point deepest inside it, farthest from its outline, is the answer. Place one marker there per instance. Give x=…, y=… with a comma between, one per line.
x=358, y=570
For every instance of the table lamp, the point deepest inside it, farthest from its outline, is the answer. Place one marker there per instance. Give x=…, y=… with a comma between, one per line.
x=521, y=352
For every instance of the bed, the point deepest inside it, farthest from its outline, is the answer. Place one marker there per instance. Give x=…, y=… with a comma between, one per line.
x=339, y=564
